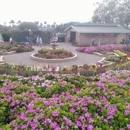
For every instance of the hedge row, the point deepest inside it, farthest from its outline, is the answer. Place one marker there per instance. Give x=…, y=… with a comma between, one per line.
x=19, y=36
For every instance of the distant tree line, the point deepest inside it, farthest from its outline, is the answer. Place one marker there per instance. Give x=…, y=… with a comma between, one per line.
x=32, y=30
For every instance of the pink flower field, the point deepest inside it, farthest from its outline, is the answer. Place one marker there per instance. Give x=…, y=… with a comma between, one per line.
x=102, y=48
x=67, y=102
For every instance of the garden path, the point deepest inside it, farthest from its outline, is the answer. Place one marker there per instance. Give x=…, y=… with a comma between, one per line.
x=25, y=58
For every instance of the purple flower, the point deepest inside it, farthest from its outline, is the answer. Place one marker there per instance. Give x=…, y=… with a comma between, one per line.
x=72, y=110
x=90, y=127
x=17, y=102
x=68, y=122
x=87, y=115
x=55, y=113
x=23, y=126
x=122, y=129
x=128, y=126
x=81, y=118
x=98, y=103
x=12, y=104
x=58, y=128
x=54, y=125
x=40, y=116
x=91, y=120
x=110, y=117
x=85, y=109
x=78, y=123
x=41, y=129
x=127, y=112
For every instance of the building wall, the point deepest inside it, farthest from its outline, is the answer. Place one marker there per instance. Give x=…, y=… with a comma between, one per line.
x=77, y=37
x=122, y=36
x=67, y=38
x=86, y=38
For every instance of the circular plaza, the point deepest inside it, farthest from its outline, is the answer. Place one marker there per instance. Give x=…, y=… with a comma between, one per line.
x=25, y=58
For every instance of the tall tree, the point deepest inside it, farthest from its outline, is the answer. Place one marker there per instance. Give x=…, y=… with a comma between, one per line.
x=45, y=24
x=19, y=22
x=28, y=25
x=113, y=11
x=37, y=22
x=41, y=25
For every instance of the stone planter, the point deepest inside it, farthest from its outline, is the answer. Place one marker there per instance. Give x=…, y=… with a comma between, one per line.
x=53, y=60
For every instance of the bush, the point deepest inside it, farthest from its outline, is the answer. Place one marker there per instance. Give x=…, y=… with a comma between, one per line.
x=6, y=35
x=28, y=25
x=126, y=48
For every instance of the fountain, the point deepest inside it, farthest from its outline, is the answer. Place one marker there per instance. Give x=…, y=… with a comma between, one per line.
x=49, y=52
x=54, y=44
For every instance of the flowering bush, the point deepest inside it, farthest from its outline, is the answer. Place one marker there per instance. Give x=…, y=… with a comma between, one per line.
x=65, y=102
x=101, y=49
x=54, y=54
x=16, y=47
x=123, y=53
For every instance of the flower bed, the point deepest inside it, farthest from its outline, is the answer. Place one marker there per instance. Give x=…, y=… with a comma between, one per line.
x=54, y=102
x=113, y=58
x=15, y=47
x=123, y=53
x=53, y=54
x=102, y=49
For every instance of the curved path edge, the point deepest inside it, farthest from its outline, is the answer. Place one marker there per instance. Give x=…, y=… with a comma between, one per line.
x=53, y=60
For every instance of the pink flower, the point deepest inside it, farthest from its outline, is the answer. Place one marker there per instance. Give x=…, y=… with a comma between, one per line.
x=68, y=122
x=12, y=104
x=54, y=125
x=127, y=112
x=72, y=110
x=98, y=103
x=78, y=123
x=55, y=113
x=128, y=126
x=87, y=115
x=17, y=102
x=91, y=120
x=90, y=127
x=40, y=116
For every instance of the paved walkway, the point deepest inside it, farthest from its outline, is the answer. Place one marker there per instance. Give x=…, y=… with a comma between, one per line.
x=25, y=58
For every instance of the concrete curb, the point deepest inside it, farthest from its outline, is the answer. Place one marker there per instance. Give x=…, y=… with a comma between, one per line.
x=7, y=53
x=1, y=60
x=53, y=60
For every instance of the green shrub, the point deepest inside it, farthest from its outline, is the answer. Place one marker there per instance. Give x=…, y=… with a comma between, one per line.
x=6, y=35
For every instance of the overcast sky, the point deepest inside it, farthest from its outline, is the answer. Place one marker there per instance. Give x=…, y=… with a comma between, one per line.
x=59, y=11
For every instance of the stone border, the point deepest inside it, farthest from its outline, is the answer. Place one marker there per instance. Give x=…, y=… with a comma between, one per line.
x=99, y=54
x=7, y=53
x=53, y=60
x=1, y=60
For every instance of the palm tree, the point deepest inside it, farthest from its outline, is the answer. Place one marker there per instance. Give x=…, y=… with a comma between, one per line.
x=54, y=24
x=19, y=22
x=37, y=22
x=12, y=22
x=41, y=25
x=45, y=24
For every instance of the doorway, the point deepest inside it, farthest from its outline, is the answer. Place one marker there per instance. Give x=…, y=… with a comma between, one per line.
x=72, y=37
